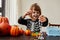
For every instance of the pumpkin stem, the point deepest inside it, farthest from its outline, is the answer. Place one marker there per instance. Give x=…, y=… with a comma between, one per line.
x=3, y=20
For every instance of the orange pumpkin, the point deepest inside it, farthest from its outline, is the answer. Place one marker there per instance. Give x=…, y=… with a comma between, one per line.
x=27, y=32
x=4, y=28
x=35, y=34
x=21, y=31
x=14, y=30
x=5, y=19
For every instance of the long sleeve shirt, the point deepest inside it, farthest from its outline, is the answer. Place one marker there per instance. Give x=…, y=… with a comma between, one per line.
x=32, y=25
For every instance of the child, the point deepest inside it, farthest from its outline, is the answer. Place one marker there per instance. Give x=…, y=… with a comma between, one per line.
x=36, y=20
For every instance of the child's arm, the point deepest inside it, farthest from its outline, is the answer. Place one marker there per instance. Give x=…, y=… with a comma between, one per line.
x=22, y=21
x=43, y=20
x=44, y=24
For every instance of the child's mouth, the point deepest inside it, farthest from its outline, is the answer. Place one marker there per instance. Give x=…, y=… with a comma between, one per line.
x=35, y=17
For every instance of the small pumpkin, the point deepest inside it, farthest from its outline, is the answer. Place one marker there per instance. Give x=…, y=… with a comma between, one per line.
x=35, y=34
x=21, y=31
x=14, y=30
x=27, y=32
x=4, y=28
x=5, y=19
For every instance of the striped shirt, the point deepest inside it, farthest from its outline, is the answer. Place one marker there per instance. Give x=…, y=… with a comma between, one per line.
x=32, y=25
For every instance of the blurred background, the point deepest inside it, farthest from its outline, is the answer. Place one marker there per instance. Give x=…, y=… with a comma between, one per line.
x=13, y=9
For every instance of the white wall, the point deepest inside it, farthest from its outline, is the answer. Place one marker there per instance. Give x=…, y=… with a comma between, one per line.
x=11, y=11
x=16, y=8
x=50, y=8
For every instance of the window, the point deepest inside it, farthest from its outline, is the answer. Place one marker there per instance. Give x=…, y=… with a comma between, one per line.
x=2, y=7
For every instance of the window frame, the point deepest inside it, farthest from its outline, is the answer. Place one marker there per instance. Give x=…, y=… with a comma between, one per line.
x=2, y=9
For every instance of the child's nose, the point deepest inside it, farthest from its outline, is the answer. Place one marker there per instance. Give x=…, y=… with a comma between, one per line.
x=35, y=13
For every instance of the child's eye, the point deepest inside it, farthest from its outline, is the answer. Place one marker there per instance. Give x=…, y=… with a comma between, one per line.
x=33, y=12
x=37, y=12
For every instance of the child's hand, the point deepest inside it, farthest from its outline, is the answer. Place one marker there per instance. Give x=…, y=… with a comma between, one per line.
x=42, y=18
x=29, y=13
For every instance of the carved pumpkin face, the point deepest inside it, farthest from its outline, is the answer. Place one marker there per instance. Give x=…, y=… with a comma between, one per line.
x=14, y=30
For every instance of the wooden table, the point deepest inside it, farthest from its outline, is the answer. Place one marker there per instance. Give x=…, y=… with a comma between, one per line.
x=21, y=37
x=52, y=37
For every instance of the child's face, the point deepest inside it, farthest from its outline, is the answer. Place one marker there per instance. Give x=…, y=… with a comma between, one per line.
x=35, y=14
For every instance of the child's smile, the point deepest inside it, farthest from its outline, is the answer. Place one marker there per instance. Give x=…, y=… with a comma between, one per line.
x=35, y=14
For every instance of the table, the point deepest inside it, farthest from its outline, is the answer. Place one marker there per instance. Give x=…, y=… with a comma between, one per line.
x=52, y=37
x=21, y=37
